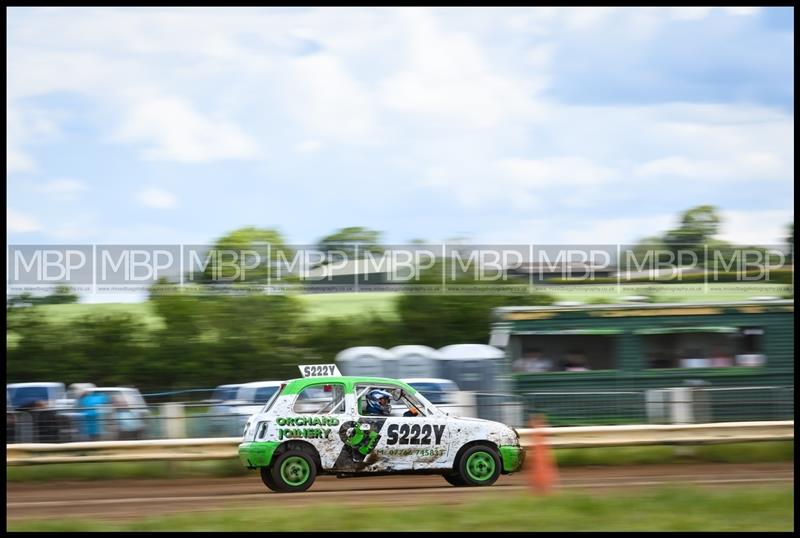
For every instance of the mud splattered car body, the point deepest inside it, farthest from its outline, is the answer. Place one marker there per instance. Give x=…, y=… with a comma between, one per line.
x=319, y=425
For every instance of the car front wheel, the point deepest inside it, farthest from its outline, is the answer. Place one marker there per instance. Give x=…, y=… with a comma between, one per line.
x=479, y=465
x=293, y=471
x=266, y=477
x=454, y=479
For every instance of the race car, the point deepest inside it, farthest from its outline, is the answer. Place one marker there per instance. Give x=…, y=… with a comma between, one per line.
x=365, y=426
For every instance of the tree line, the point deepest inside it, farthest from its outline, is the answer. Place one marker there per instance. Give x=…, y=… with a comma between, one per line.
x=204, y=340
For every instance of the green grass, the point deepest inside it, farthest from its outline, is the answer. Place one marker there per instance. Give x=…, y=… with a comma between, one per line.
x=758, y=452
x=766, y=508
x=69, y=312
x=321, y=305
x=125, y=470
x=765, y=451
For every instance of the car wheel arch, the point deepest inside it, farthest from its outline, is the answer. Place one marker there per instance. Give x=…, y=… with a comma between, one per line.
x=470, y=444
x=303, y=446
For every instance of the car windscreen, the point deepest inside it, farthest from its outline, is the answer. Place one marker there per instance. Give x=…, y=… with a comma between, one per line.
x=434, y=392
x=27, y=396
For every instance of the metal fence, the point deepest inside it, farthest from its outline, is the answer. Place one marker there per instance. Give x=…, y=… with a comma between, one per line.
x=675, y=405
x=678, y=405
x=109, y=423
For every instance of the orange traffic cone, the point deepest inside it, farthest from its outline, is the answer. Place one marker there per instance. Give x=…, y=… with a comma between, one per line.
x=542, y=470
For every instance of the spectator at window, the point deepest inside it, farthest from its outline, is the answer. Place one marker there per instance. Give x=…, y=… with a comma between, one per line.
x=720, y=359
x=693, y=358
x=534, y=361
x=576, y=362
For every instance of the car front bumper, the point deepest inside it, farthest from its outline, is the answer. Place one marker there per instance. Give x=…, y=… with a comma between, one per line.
x=257, y=454
x=513, y=457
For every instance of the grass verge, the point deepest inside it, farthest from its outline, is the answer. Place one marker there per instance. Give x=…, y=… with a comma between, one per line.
x=765, y=508
x=761, y=452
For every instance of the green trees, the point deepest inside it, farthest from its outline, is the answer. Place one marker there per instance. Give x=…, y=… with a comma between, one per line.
x=696, y=235
x=351, y=242
x=61, y=295
x=245, y=255
x=698, y=225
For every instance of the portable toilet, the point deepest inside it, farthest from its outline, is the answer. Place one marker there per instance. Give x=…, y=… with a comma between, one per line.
x=477, y=368
x=416, y=361
x=368, y=361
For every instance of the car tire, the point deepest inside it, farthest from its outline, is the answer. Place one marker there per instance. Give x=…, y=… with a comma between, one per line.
x=479, y=465
x=293, y=471
x=454, y=479
x=266, y=477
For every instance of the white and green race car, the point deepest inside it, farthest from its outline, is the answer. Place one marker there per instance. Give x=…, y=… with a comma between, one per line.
x=366, y=426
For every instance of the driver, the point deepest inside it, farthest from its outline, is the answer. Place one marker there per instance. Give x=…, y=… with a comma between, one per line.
x=378, y=403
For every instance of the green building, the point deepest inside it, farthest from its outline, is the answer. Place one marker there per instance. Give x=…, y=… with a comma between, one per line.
x=612, y=363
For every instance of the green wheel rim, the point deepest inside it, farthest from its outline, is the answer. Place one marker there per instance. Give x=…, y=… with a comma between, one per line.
x=295, y=471
x=480, y=466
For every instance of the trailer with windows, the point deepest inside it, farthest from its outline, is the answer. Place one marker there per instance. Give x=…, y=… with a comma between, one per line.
x=585, y=364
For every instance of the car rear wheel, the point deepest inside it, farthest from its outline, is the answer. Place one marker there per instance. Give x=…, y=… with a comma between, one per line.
x=479, y=465
x=293, y=471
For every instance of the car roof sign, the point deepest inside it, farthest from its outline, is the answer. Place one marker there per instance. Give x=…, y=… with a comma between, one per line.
x=319, y=370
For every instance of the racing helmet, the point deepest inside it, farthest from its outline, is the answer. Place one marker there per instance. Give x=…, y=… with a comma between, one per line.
x=378, y=402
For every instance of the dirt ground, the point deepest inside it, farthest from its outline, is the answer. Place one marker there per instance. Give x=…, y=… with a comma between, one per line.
x=133, y=499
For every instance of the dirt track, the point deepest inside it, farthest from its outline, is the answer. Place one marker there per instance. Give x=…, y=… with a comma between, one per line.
x=132, y=499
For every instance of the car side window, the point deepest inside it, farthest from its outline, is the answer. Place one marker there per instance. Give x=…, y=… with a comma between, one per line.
x=400, y=401
x=327, y=398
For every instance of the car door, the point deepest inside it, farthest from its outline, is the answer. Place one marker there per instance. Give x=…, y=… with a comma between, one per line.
x=318, y=414
x=397, y=442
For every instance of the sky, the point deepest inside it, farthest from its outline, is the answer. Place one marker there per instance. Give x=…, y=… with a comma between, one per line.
x=506, y=126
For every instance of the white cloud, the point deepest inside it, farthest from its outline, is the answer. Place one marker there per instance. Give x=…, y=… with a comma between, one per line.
x=174, y=130
x=19, y=222
x=25, y=125
x=742, y=10
x=64, y=188
x=308, y=146
x=446, y=76
x=327, y=100
x=156, y=198
x=756, y=227
x=537, y=173
x=567, y=230
x=17, y=160
x=752, y=166
x=521, y=184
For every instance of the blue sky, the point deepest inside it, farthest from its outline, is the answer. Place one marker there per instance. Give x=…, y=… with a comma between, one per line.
x=549, y=125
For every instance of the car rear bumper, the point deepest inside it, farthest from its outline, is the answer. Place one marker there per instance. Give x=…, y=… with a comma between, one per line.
x=513, y=458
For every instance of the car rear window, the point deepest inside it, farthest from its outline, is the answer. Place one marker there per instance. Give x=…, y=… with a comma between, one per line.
x=27, y=396
x=263, y=394
x=224, y=393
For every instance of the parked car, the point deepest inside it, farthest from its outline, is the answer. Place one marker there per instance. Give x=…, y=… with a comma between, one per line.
x=441, y=392
x=25, y=395
x=34, y=413
x=225, y=393
x=230, y=416
x=111, y=413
